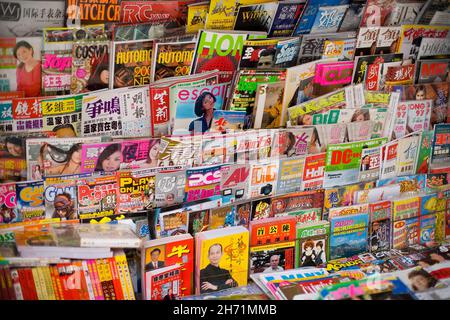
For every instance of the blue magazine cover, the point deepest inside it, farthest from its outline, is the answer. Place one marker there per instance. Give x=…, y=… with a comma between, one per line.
x=348, y=235
x=286, y=18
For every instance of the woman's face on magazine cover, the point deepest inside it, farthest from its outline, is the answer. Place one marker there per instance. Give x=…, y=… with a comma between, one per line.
x=208, y=102
x=112, y=163
x=104, y=76
x=14, y=149
x=153, y=152
x=24, y=54
x=76, y=156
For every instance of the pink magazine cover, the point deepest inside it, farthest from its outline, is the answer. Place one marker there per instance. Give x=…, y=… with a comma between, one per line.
x=140, y=154
x=334, y=73
x=101, y=157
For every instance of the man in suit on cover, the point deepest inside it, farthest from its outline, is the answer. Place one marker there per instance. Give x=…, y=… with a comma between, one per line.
x=154, y=263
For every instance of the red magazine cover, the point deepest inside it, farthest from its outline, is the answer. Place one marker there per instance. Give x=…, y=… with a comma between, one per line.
x=272, y=230
x=164, y=283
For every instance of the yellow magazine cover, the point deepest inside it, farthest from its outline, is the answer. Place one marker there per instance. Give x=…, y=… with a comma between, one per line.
x=196, y=18
x=221, y=14
x=223, y=260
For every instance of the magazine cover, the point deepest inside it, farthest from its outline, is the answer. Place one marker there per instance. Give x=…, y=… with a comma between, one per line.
x=405, y=233
x=101, y=114
x=18, y=20
x=62, y=116
x=56, y=72
x=179, y=249
x=97, y=197
x=343, y=50
x=203, y=183
x=311, y=246
x=221, y=217
x=136, y=190
x=172, y=59
x=218, y=50
x=135, y=112
x=290, y=174
x=429, y=71
x=353, y=16
x=234, y=182
x=60, y=197
x=139, y=154
x=286, y=54
x=221, y=259
x=198, y=221
x=170, y=187
x=258, y=54
x=379, y=226
x=86, y=12
x=376, y=13
x=375, y=62
x=440, y=155
x=101, y=157
x=387, y=39
x=261, y=209
x=370, y=164
x=158, y=12
x=194, y=108
x=197, y=13
x=263, y=178
x=286, y=18
x=221, y=14
x=328, y=19
x=314, y=170
x=132, y=63
x=30, y=200
x=433, y=48
x=90, y=66
x=13, y=164
x=268, y=113
x=180, y=151
x=163, y=283
x=173, y=222
x=303, y=205
x=21, y=72
x=9, y=212
x=332, y=76
x=257, y=17
x=343, y=161
x=227, y=121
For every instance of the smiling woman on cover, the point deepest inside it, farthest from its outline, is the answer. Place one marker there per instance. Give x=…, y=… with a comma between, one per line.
x=204, y=108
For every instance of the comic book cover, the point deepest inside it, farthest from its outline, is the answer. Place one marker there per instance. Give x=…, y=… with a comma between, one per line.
x=131, y=63
x=258, y=17
x=172, y=59
x=379, y=226
x=191, y=114
x=340, y=169
x=163, y=283
x=60, y=197
x=101, y=114
x=87, y=12
x=230, y=268
x=263, y=178
x=367, y=40
x=234, y=182
x=429, y=71
x=332, y=76
x=56, y=72
x=218, y=50
x=156, y=254
x=312, y=46
x=261, y=209
x=290, y=175
x=101, y=157
x=440, y=154
x=13, y=164
x=18, y=75
x=348, y=235
x=387, y=40
x=136, y=190
x=243, y=214
x=258, y=54
x=30, y=200
x=170, y=185
x=285, y=18
x=29, y=18
x=227, y=120
x=9, y=212
x=62, y=115
x=310, y=13
x=197, y=13
x=328, y=19
x=90, y=66
x=433, y=48
x=405, y=233
x=203, y=183
x=412, y=35
x=339, y=99
x=311, y=246
x=314, y=171
x=267, y=113
x=343, y=50
x=97, y=197
x=198, y=221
